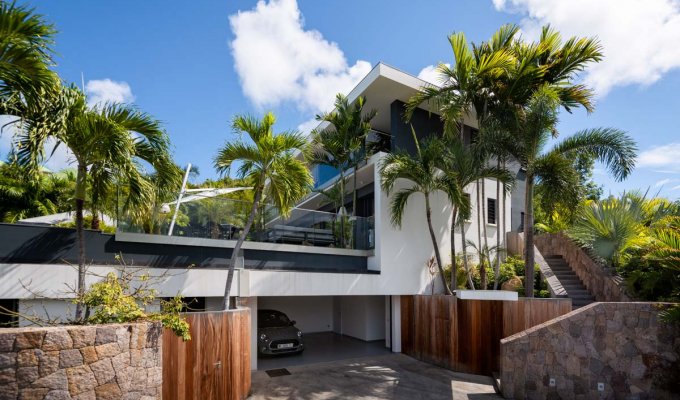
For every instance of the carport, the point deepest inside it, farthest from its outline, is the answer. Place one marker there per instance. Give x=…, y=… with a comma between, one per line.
x=334, y=328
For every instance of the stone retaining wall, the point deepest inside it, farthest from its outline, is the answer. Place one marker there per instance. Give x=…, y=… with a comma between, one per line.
x=81, y=362
x=602, y=283
x=621, y=345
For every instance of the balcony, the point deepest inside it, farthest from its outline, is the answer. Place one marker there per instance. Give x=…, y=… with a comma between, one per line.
x=223, y=219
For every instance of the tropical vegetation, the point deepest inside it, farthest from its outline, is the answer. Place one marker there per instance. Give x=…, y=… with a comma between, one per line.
x=638, y=237
x=270, y=162
x=516, y=89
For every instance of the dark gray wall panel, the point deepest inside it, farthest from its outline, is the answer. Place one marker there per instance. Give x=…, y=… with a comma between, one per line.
x=53, y=245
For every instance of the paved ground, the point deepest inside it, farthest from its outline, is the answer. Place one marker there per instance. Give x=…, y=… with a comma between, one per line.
x=393, y=376
x=325, y=347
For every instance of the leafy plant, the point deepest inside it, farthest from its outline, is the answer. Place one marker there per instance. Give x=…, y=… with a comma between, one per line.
x=268, y=160
x=116, y=299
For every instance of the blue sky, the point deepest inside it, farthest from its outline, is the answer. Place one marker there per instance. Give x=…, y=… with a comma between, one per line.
x=194, y=65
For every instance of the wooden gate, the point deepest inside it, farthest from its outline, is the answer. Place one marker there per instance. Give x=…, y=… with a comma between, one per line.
x=465, y=335
x=214, y=364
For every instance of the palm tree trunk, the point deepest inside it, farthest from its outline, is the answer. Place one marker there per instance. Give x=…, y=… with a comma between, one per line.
x=80, y=203
x=497, y=266
x=529, y=237
x=342, y=206
x=503, y=214
x=465, y=257
x=454, y=267
x=482, y=272
x=428, y=212
x=95, y=219
x=94, y=224
x=226, y=304
x=479, y=229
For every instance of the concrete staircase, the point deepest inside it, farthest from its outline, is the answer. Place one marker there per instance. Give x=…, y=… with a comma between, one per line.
x=576, y=291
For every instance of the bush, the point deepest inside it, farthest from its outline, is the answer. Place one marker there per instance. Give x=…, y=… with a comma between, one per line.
x=87, y=222
x=461, y=277
x=116, y=300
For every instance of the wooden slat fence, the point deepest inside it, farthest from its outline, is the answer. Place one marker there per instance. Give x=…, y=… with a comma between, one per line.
x=464, y=335
x=214, y=364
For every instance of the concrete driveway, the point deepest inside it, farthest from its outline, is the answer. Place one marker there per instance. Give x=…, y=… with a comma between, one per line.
x=393, y=376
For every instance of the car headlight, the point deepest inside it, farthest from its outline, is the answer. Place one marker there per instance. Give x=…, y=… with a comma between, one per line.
x=299, y=333
x=264, y=337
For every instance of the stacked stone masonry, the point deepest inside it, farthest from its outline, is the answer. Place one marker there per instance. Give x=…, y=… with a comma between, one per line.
x=119, y=361
x=604, y=285
x=620, y=345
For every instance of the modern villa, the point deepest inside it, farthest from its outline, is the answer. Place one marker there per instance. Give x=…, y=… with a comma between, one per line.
x=327, y=276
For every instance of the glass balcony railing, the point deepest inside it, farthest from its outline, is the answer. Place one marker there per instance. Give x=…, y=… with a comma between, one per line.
x=221, y=218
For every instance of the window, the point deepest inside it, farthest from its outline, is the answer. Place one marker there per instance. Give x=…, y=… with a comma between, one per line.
x=491, y=211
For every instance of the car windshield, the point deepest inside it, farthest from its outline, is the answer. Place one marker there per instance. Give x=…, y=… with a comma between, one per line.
x=272, y=320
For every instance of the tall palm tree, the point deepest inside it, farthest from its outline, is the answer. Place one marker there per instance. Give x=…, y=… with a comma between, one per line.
x=271, y=164
x=461, y=168
x=499, y=77
x=115, y=135
x=343, y=144
x=526, y=140
x=421, y=170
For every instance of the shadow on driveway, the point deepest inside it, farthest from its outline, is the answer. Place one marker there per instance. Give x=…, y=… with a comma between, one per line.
x=393, y=376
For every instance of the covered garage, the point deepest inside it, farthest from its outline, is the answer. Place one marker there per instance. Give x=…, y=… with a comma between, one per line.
x=333, y=327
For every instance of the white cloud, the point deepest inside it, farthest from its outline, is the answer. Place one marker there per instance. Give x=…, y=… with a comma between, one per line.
x=278, y=61
x=105, y=90
x=676, y=187
x=640, y=38
x=663, y=182
x=665, y=156
x=431, y=74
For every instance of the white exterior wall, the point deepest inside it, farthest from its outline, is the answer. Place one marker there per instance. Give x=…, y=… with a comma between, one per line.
x=400, y=255
x=362, y=317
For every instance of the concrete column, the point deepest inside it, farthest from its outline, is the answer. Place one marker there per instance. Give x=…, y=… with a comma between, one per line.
x=396, y=324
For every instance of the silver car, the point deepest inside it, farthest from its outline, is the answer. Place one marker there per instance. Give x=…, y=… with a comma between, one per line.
x=276, y=334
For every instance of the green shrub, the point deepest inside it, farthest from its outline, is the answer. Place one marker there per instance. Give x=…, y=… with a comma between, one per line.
x=516, y=263
x=87, y=222
x=461, y=276
x=115, y=300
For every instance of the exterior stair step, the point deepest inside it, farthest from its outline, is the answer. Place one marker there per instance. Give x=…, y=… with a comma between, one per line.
x=572, y=284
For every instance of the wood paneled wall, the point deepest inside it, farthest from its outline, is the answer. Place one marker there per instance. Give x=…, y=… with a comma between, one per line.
x=464, y=335
x=214, y=364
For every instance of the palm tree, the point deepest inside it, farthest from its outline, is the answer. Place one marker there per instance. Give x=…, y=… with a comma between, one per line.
x=421, y=170
x=271, y=164
x=116, y=136
x=499, y=77
x=23, y=197
x=612, y=226
x=526, y=139
x=343, y=144
x=461, y=168
x=25, y=55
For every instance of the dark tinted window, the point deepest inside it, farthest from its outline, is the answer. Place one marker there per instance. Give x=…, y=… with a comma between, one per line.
x=272, y=319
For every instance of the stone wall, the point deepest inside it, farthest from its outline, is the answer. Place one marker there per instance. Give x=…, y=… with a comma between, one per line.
x=621, y=345
x=601, y=282
x=81, y=362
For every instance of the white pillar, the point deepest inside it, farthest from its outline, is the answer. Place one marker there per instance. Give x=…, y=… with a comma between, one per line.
x=396, y=324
